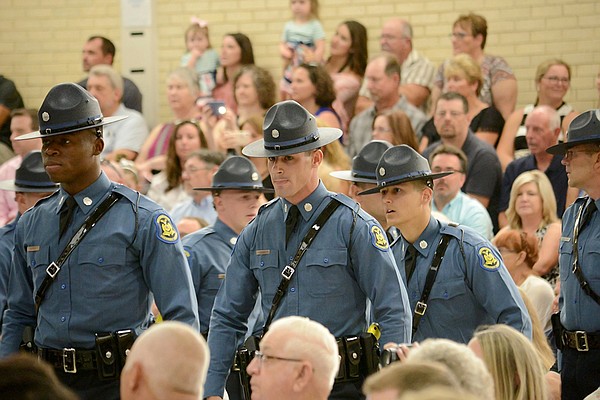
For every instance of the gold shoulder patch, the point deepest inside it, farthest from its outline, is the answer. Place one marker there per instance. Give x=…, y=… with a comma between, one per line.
x=489, y=262
x=165, y=229
x=378, y=238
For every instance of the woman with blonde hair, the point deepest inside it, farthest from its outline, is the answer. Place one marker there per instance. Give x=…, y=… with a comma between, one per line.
x=513, y=362
x=532, y=209
x=394, y=127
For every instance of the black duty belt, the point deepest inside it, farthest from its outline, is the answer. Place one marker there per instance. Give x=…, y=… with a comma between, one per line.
x=70, y=360
x=581, y=340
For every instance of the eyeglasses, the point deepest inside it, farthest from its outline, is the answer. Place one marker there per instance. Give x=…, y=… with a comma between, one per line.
x=570, y=154
x=556, y=79
x=261, y=357
x=458, y=35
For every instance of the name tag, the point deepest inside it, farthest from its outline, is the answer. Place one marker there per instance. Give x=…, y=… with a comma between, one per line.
x=33, y=248
x=221, y=276
x=262, y=252
x=565, y=239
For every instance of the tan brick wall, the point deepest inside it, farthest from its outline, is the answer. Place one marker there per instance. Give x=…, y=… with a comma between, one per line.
x=40, y=41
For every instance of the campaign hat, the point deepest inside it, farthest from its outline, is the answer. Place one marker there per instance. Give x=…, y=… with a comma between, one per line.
x=239, y=173
x=30, y=177
x=364, y=164
x=585, y=128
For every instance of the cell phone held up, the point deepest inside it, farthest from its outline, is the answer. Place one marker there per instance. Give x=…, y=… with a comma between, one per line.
x=217, y=107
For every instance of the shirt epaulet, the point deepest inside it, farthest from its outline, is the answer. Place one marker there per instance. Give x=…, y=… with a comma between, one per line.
x=268, y=204
x=452, y=229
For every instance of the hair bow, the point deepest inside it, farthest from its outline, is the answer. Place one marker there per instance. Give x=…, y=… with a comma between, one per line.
x=201, y=23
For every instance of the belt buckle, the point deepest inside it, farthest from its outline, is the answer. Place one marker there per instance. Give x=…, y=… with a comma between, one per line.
x=69, y=364
x=420, y=308
x=52, y=269
x=581, y=341
x=287, y=272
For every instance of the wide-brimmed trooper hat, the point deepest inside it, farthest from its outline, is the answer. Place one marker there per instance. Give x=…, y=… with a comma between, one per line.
x=401, y=164
x=30, y=177
x=290, y=129
x=364, y=164
x=585, y=128
x=238, y=173
x=68, y=108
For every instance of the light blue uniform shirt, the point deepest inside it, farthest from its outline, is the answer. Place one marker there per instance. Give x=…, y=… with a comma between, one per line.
x=578, y=311
x=336, y=276
x=467, y=211
x=105, y=284
x=464, y=295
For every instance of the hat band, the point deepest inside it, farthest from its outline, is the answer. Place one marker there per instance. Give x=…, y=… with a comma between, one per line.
x=33, y=185
x=289, y=144
x=363, y=174
x=234, y=185
x=69, y=126
x=414, y=174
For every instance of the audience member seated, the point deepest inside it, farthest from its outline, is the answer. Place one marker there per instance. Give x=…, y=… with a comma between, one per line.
x=10, y=99
x=298, y=359
x=532, y=209
x=383, y=82
x=484, y=175
x=348, y=55
x=312, y=87
x=552, y=81
x=543, y=127
x=168, y=361
x=198, y=171
x=22, y=121
x=463, y=75
x=514, y=364
x=182, y=92
x=447, y=196
x=417, y=71
x=469, y=35
x=123, y=139
x=166, y=187
x=519, y=251
x=236, y=51
x=189, y=225
x=254, y=94
x=394, y=127
x=470, y=371
x=24, y=377
x=100, y=50
x=399, y=378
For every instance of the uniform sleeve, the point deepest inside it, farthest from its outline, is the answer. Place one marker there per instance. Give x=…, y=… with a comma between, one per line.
x=21, y=310
x=378, y=277
x=228, y=323
x=166, y=270
x=487, y=274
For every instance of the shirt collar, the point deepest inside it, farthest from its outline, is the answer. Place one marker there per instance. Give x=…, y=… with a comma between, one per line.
x=307, y=206
x=426, y=241
x=90, y=197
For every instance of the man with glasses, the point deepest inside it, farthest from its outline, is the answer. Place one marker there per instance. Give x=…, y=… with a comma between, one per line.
x=578, y=334
x=469, y=34
x=447, y=196
x=298, y=360
x=484, y=174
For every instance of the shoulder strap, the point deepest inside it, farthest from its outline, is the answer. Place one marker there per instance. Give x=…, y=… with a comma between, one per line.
x=288, y=271
x=585, y=286
x=88, y=224
x=421, y=305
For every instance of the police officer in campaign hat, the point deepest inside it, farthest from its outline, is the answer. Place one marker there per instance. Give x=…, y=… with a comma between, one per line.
x=578, y=333
x=363, y=177
x=31, y=183
x=348, y=262
x=237, y=194
x=87, y=258
x=472, y=286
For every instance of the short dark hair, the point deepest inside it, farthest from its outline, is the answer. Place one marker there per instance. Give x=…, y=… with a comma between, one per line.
x=31, y=112
x=449, y=96
x=108, y=47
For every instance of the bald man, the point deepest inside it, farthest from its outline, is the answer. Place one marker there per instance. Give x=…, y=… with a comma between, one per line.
x=169, y=361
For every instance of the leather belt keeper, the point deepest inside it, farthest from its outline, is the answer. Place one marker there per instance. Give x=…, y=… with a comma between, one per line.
x=581, y=340
x=70, y=360
x=359, y=357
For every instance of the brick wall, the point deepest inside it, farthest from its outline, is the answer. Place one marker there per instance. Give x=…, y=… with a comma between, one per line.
x=40, y=41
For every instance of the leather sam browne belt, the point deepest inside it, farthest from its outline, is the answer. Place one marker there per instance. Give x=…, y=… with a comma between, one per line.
x=581, y=340
x=70, y=360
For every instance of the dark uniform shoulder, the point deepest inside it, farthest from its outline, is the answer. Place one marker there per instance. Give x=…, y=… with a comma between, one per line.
x=267, y=205
x=46, y=199
x=452, y=229
x=194, y=237
x=135, y=197
x=353, y=205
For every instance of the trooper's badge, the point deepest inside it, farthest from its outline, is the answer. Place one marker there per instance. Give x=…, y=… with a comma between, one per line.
x=165, y=230
x=378, y=238
x=489, y=262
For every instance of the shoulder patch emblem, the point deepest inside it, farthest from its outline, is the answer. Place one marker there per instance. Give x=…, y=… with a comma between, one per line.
x=378, y=238
x=165, y=230
x=489, y=262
